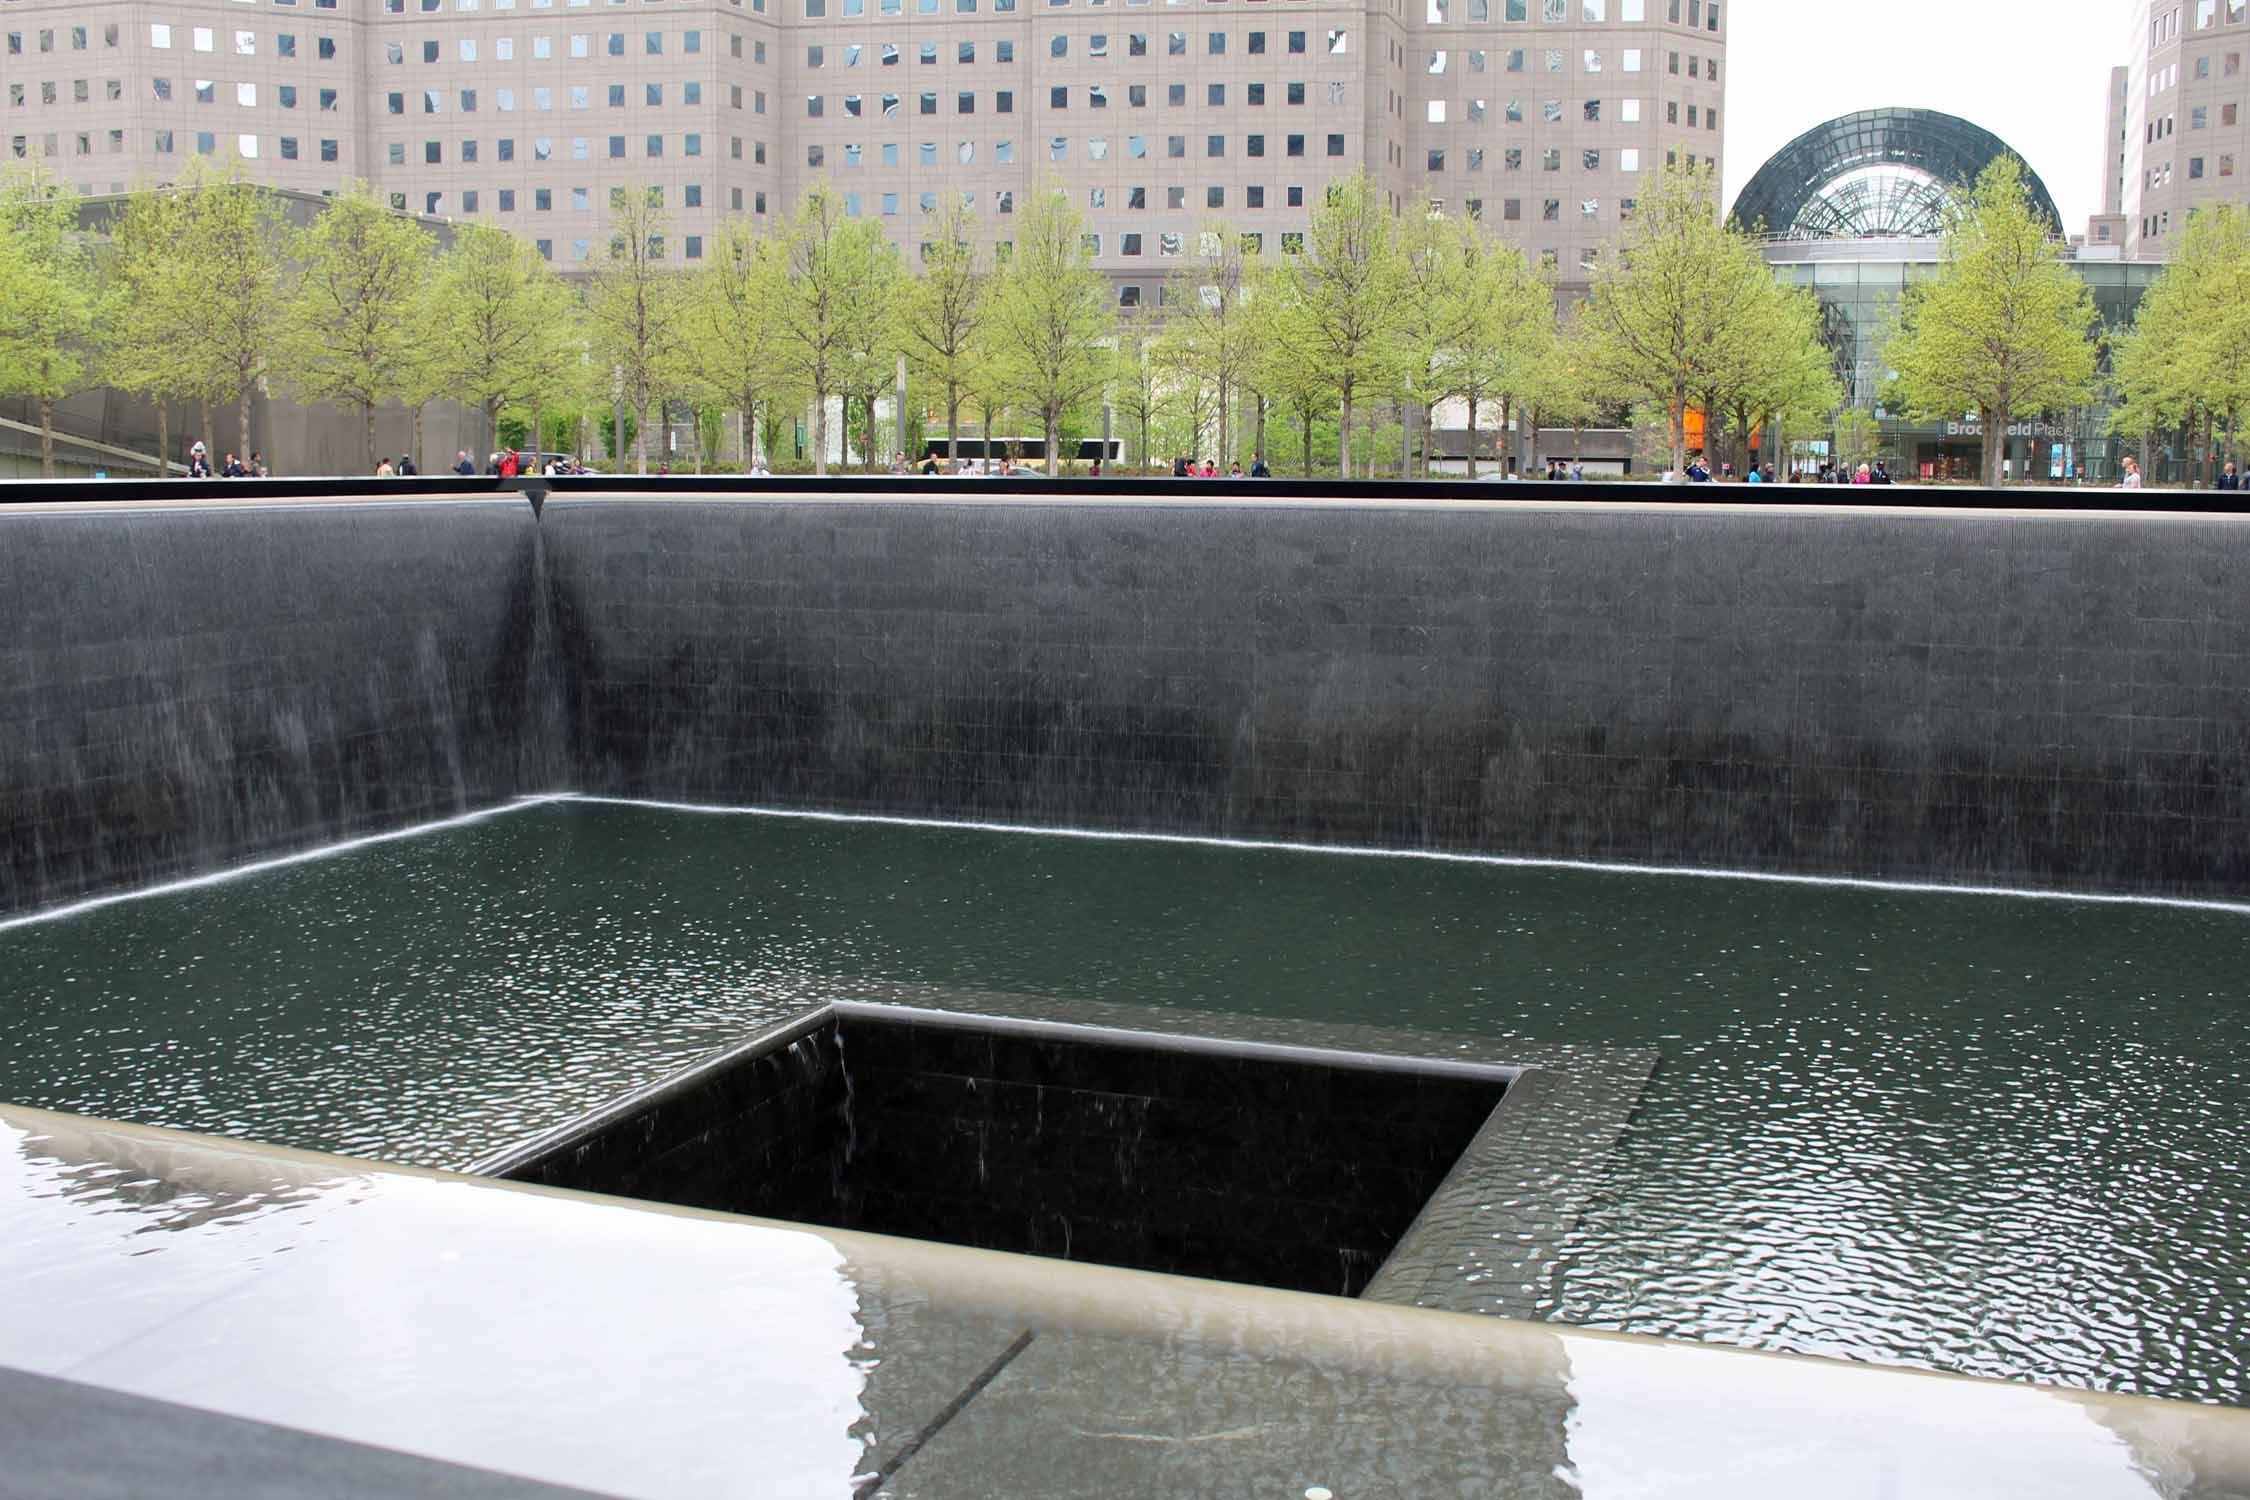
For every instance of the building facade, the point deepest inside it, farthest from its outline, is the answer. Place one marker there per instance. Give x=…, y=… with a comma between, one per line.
x=1538, y=116
x=2181, y=137
x=1859, y=283
x=1855, y=209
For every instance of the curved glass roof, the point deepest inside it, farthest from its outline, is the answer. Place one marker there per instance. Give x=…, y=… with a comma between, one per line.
x=1879, y=173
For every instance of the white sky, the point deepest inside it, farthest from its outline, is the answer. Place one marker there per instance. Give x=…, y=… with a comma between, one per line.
x=2033, y=72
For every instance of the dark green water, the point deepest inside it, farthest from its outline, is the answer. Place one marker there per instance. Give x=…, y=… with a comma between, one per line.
x=1977, y=1133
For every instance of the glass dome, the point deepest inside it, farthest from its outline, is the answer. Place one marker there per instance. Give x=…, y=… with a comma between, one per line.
x=1884, y=173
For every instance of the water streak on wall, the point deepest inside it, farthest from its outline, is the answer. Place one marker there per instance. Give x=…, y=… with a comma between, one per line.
x=2053, y=700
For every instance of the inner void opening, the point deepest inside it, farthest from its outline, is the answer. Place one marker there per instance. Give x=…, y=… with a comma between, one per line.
x=1282, y=1166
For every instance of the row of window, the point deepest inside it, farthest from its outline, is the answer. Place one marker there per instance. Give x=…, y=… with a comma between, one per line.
x=581, y=148
x=1097, y=148
x=1095, y=96
x=2207, y=13
x=1702, y=14
x=504, y=48
x=1136, y=148
x=1558, y=12
x=205, y=39
x=431, y=7
x=1096, y=44
x=541, y=100
x=1551, y=160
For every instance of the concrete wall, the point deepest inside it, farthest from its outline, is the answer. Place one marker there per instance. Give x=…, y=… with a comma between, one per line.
x=181, y=689
x=1957, y=696
x=2044, y=699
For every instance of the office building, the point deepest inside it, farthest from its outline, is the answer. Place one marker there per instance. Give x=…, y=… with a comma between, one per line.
x=2180, y=135
x=1539, y=116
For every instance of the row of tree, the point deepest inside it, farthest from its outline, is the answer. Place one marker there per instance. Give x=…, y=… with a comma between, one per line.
x=201, y=294
x=2184, y=367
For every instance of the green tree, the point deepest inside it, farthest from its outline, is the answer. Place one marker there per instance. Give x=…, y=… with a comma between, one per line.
x=237, y=288
x=147, y=284
x=504, y=329
x=870, y=350
x=836, y=267
x=1783, y=370
x=1210, y=337
x=1137, y=385
x=1052, y=324
x=732, y=336
x=1671, y=315
x=2004, y=327
x=634, y=307
x=1510, y=344
x=939, y=311
x=46, y=294
x=350, y=337
x=1857, y=433
x=2185, y=361
x=1338, y=301
x=1439, y=314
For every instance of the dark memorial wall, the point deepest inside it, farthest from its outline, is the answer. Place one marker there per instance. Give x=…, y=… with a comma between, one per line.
x=184, y=689
x=2047, y=699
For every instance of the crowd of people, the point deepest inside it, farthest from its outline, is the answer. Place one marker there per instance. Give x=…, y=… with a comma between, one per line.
x=931, y=466
x=199, y=466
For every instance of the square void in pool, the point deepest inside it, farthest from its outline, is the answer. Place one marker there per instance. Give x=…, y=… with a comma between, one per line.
x=1282, y=1165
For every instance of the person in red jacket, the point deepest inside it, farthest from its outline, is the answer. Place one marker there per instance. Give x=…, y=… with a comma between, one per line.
x=510, y=464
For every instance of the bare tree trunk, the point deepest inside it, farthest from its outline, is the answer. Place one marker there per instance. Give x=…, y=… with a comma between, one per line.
x=203, y=429
x=1344, y=439
x=46, y=437
x=1304, y=430
x=1472, y=437
x=367, y=416
x=242, y=422
x=640, y=437
x=414, y=444
x=163, y=439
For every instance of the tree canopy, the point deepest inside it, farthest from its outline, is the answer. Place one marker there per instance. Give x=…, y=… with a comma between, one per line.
x=1053, y=331
x=46, y=294
x=2004, y=327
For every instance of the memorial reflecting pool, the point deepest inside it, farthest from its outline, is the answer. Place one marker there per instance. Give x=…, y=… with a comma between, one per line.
x=1968, y=1132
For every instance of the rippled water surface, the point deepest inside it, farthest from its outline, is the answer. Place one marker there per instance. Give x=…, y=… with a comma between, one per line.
x=1978, y=1133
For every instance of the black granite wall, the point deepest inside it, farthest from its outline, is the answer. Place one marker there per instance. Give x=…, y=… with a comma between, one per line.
x=1199, y=1160
x=2050, y=699
x=768, y=1133
x=1958, y=696
x=184, y=688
